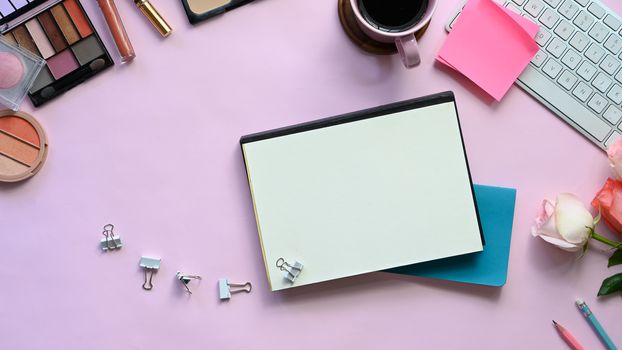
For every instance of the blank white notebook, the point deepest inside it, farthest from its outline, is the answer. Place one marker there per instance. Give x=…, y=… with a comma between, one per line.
x=363, y=192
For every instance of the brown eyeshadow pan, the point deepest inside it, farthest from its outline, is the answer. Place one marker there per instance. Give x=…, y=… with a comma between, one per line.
x=65, y=24
x=24, y=39
x=52, y=31
x=10, y=38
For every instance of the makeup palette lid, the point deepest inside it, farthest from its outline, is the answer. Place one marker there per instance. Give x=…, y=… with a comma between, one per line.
x=23, y=146
x=18, y=71
x=10, y=12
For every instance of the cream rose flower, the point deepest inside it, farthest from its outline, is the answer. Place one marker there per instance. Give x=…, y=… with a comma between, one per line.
x=567, y=224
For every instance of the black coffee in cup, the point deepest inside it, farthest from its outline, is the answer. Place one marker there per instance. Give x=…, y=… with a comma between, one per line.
x=393, y=15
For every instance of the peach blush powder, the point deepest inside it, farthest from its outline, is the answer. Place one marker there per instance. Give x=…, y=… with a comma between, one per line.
x=11, y=70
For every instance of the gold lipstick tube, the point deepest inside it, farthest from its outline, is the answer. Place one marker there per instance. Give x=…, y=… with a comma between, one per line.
x=154, y=17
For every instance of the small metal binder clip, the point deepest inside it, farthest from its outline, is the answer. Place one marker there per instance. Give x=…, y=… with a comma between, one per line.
x=292, y=271
x=185, y=279
x=225, y=290
x=151, y=266
x=110, y=242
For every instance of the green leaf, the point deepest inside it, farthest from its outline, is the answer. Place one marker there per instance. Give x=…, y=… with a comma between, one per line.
x=583, y=250
x=616, y=258
x=611, y=285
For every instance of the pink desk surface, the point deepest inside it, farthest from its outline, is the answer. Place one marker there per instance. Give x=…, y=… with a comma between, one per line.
x=153, y=148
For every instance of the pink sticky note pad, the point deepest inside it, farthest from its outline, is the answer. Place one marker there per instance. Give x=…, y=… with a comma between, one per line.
x=490, y=45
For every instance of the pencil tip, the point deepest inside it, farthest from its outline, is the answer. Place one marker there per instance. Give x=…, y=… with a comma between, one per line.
x=555, y=323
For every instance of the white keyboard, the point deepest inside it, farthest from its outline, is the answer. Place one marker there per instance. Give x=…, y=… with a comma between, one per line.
x=577, y=72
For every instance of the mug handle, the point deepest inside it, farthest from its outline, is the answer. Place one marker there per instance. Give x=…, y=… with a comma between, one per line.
x=408, y=50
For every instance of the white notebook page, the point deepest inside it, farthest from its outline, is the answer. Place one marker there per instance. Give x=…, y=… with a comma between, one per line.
x=363, y=196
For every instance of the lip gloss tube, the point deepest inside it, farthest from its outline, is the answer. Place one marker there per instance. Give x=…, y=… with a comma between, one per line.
x=154, y=17
x=109, y=9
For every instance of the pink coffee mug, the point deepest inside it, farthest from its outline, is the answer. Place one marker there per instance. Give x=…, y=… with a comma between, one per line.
x=404, y=39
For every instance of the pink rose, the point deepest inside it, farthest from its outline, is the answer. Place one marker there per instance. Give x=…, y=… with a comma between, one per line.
x=614, y=153
x=609, y=201
x=567, y=224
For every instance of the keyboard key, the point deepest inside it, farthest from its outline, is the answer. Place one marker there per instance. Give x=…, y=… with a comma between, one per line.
x=549, y=18
x=582, y=2
x=619, y=76
x=584, y=21
x=568, y=9
x=612, y=139
x=586, y=71
x=556, y=47
x=553, y=3
x=564, y=30
x=543, y=36
x=564, y=104
x=597, y=103
x=602, y=82
x=613, y=115
x=519, y=2
x=514, y=8
x=571, y=59
x=582, y=91
x=526, y=15
x=599, y=32
x=534, y=7
x=567, y=80
x=613, y=44
x=594, y=53
x=596, y=10
x=539, y=58
x=612, y=22
x=615, y=94
x=610, y=64
x=552, y=68
x=579, y=41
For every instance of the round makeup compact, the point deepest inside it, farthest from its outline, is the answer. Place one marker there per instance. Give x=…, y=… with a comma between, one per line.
x=18, y=70
x=23, y=146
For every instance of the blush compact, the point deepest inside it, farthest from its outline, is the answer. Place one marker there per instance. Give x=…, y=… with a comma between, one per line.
x=23, y=146
x=18, y=70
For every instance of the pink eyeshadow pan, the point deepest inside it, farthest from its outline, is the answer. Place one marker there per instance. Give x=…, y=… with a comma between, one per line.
x=11, y=70
x=62, y=64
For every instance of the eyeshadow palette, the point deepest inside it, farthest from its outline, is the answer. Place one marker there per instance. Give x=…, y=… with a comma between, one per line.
x=60, y=32
x=23, y=146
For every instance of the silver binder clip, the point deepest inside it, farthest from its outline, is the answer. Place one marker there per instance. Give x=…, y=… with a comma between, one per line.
x=225, y=290
x=151, y=266
x=292, y=271
x=185, y=279
x=110, y=242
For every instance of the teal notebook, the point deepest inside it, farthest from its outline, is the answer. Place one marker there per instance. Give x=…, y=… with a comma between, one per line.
x=489, y=267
